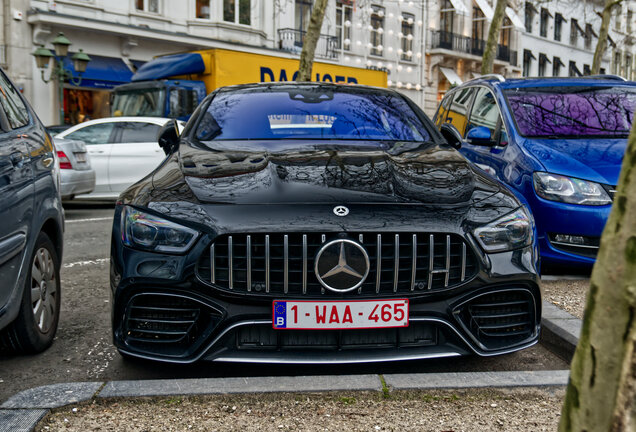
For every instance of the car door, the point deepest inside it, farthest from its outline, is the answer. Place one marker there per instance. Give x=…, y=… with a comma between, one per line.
x=485, y=113
x=135, y=153
x=16, y=185
x=98, y=138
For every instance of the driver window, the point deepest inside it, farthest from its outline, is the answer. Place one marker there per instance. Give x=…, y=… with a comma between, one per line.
x=486, y=113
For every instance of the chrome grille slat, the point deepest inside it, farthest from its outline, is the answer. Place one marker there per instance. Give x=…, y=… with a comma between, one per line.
x=282, y=264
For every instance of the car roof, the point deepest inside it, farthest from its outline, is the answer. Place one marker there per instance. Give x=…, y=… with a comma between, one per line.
x=282, y=84
x=527, y=82
x=159, y=121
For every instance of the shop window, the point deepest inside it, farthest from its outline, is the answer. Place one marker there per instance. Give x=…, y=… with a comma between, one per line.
x=344, y=15
x=203, y=9
x=407, y=41
x=237, y=11
x=377, y=30
x=148, y=5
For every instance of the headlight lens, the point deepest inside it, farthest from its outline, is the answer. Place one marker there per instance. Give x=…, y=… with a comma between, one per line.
x=149, y=232
x=570, y=190
x=513, y=231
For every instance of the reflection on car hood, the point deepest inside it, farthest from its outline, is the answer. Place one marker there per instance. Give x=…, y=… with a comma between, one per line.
x=310, y=172
x=597, y=160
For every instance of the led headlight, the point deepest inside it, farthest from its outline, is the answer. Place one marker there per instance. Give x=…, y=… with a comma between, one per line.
x=145, y=231
x=513, y=231
x=570, y=190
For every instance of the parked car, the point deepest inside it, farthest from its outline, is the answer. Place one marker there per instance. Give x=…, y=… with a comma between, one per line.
x=122, y=151
x=310, y=223
x=31, y=231
x=76, y=174
x=557, y=141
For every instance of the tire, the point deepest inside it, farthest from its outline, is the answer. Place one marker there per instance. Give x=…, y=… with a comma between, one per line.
x=34, y=328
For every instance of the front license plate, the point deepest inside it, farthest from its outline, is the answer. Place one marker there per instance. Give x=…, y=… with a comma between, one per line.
x=81, y=157
x=340, y=314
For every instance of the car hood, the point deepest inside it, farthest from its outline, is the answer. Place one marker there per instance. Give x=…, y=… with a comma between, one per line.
x=597, y=160
x=310, y=172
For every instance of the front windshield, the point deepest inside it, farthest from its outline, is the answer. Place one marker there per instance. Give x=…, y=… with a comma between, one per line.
x=142, y=102
x=310, y=113
x=573, y=112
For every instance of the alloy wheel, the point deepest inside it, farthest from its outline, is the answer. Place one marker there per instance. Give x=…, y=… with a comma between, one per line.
x=43, y=289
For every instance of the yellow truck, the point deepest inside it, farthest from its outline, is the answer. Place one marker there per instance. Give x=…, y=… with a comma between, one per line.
x=173, y=85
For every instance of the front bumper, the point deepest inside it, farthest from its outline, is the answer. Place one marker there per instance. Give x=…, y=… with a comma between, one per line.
x=175, y=317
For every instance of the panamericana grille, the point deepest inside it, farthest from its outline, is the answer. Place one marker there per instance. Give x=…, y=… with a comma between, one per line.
x=166, y=324
x=500, y=319
x=283, y=264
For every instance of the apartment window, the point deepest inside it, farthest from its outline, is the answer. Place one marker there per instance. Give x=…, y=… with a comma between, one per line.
x=302, y=13
x=574, y=31
x=479, y=24
x=377, y=31
x=628, y=66
x=587, y=70
x=589, y=33
x=408, y=21
x=237, y=11
x=628, y=23
x=446, y=17
x=148, y=5
x=203, y=9
x=558, y=26
x=504, y=36
x=556, y=66
x=619, y=16
x=545, y=18
x=573, y=71
x=344, y=14
x=529, y=16
x=543, y=64
x=616, y=67
x=527, y=62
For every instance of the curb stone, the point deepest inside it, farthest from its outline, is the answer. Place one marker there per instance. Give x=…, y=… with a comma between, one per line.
x=560, y=332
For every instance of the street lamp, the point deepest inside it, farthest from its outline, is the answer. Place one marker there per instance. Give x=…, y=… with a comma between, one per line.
x=59, y=72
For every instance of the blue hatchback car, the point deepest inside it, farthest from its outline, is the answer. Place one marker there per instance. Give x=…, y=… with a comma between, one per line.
x=558, y=141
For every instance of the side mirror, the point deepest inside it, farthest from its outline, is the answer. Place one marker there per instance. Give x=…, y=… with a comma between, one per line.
x=168, y=137
x=479, y=135
x=452, y=135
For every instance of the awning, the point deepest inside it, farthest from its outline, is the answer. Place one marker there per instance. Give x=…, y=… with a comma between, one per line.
x=527, y=54
x=578, y=27
x=486, y=9
x=101, y=72
x=611, y=41
x=543, y=57
x=460, y=7
x=516, y=21
x=451, y=76
x=591, y=30
x=559, y=17
x=531, y=7
x=574, y=69
x=558, y=61
x=169, y=66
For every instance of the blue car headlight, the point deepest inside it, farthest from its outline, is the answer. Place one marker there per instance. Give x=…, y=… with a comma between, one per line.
x=149, y=232
x=569, y=190
x=512, y=231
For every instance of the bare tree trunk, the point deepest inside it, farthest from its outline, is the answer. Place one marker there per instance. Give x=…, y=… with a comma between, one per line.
x=490, y=52
x=601, y=44
x=600, y=394
x=311, y=40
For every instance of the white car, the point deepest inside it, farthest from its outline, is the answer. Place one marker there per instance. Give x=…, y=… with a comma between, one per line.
x=122, y=151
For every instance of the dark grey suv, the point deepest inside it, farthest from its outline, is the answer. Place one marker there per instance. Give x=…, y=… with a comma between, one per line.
x=31, y=227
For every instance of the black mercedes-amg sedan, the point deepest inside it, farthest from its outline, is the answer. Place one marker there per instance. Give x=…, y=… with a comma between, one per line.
x=319, y=223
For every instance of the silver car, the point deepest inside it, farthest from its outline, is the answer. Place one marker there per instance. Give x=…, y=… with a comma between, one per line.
x=76, y=174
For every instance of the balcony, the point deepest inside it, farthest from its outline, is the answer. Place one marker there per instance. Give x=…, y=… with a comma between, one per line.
x=467, y=45
x=291, y=40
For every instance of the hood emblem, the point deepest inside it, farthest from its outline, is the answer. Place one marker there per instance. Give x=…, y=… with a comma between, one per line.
x=340, y=211
x=341, y=265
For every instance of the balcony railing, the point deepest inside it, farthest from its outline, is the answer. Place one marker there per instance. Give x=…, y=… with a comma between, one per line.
x=291, y=40
x=468, y=45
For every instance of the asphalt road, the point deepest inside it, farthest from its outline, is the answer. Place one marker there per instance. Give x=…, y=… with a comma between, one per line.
x=83, y=351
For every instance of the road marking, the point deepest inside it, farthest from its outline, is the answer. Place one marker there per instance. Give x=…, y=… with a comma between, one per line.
x=89, y=219
x=97, y=261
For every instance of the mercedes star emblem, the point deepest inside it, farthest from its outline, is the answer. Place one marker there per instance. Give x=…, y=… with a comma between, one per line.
x=341, y=265
x=340, y=211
